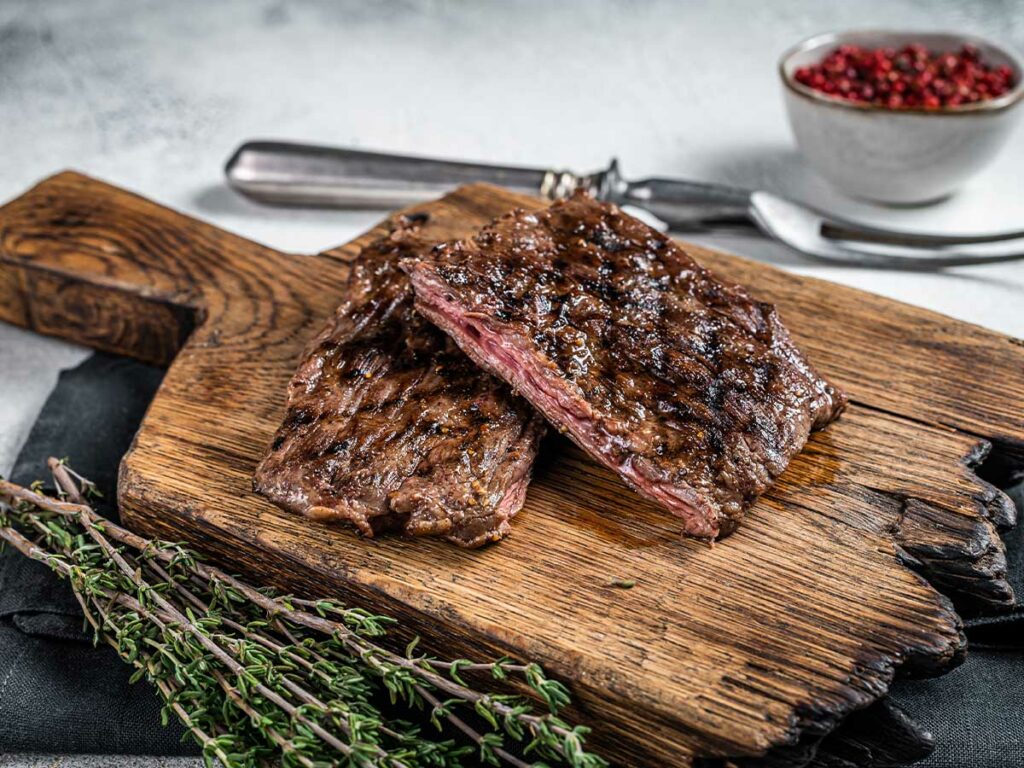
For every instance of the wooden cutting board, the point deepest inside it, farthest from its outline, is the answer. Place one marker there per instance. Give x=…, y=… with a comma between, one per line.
x=838, y=577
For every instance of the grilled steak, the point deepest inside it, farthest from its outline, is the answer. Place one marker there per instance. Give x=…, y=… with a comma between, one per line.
x=682, y=383
x=390, y=426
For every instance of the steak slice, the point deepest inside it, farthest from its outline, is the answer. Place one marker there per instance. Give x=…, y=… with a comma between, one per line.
x=679, y=381
x=389, y=426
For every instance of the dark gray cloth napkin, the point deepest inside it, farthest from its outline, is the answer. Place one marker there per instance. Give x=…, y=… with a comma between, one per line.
x=976, y=712
x=60, y=694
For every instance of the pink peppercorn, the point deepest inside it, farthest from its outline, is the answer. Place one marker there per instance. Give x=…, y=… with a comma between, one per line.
x=911, y=77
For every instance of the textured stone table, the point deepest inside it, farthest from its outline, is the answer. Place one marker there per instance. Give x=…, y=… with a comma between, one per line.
x=155, y=96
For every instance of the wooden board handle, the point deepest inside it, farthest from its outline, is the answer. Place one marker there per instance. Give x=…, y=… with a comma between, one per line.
x=95, y=264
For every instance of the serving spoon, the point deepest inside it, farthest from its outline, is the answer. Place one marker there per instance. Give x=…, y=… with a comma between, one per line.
x=280, y=173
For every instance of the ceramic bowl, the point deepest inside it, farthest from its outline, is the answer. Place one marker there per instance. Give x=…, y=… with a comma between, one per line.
x=905, y=156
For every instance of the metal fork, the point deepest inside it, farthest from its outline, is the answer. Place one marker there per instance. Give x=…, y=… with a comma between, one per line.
x=296, y=174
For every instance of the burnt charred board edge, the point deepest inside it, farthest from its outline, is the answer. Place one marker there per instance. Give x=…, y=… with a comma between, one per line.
x=93, y=264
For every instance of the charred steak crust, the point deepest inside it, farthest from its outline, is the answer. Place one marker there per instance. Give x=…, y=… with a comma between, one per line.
x=389, y=426
x=681, y=382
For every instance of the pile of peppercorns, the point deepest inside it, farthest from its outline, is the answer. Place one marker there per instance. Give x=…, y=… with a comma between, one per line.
x=910, y=77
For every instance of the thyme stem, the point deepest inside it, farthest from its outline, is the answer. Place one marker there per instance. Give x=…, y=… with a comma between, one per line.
x=258, y=678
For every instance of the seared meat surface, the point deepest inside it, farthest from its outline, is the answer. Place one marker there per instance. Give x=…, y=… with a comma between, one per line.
x=681, y=382
x=389, y=426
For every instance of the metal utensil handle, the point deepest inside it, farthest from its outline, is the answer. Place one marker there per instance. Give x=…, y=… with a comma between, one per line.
x=297, y=174
x=686, y=204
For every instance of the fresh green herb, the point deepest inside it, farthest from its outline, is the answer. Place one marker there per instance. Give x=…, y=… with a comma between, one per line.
x=260, y=678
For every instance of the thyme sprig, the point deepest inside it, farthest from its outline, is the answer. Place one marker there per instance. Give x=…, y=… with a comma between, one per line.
x=259, y=678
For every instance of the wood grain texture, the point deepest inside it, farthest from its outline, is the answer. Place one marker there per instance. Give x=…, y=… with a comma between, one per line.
x=766, y=639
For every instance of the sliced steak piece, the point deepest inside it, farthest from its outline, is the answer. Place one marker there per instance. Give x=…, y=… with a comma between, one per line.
x=391, y=427
x=681, y=382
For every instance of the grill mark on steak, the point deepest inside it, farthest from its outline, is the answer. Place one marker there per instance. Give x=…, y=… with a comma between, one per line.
x=389, y=426
x=682, y=383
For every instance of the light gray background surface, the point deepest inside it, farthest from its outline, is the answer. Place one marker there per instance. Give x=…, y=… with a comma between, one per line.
x=154, y=96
